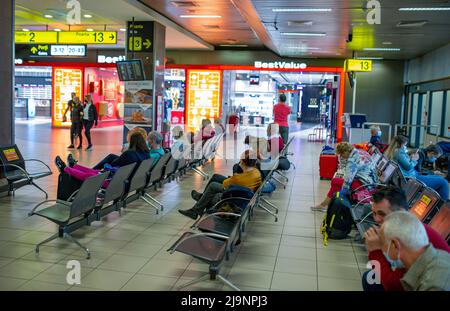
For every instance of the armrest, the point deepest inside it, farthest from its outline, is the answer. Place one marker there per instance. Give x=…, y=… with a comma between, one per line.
x=218, y=203
x=368, y=185
x=32, y=212
x=213, y=214
x=174, y=247
x=36, y=160
x=19, y=168
x=364, y=200
x=72, y=195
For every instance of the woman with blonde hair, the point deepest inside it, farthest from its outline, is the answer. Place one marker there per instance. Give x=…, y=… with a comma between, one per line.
x=360, y=170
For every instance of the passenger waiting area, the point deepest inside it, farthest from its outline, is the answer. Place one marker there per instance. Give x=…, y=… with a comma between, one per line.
x=128, y=235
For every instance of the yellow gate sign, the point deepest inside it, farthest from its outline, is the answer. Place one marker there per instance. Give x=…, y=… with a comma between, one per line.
x=36, y=37
x=87, y=37
x=362, y=65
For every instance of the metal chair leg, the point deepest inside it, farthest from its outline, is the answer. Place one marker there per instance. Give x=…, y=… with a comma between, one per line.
x=55, y=236
x=150, y=203
x=279, y=181
x=34, y=184
x=200, y=279
x=148, y=196
x=269, y=212
x=71, y=238
x=270, y=204
x=228, y=283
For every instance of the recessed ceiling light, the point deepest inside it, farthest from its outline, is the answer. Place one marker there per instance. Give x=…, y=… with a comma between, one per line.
x=87, y=15
x=48, y=16
x=302, y=10
x=25, y=29
x=200, y=16
x=373, y=58
x=302, y=48
x=89, y=29
x=382, y=49
x=305, y=34
x=123, y=29
x=425, y=9
x=234, y=45
x=57, y=29
x=387, y=42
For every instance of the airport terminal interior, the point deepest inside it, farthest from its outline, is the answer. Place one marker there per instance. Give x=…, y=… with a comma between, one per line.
x=251, y=145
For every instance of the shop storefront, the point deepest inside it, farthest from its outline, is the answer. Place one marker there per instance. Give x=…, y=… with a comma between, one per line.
x=217, y=90
x=43, y=90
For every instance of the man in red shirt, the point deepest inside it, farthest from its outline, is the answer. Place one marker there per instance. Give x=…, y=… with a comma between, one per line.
x=385, y=202
x=281, y=112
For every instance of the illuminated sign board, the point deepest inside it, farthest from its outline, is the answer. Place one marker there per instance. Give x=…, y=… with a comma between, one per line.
x=68, y=50
x=360, y=65
x=87, y=37
x=203, y=96
x=65, y=81
x=279, y=65
x=36, y=37
x=66, y=37
x=110, y=59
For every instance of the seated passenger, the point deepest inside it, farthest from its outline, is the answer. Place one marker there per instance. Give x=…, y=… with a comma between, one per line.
x=154, y=141
x=250, y=178
x=406, y=244
x=360, y=170
x=218, y=126
x=427, y=155
x=398, y=152
x=137, y=152
x=445, y=147
x=375, y=135
x=206, y=131
x=385, y=202
x=179, y=145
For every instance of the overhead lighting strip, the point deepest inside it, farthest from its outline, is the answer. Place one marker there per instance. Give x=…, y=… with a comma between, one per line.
x=382, y=49
x=304, y=34
x=425, y=9
x=302, y=10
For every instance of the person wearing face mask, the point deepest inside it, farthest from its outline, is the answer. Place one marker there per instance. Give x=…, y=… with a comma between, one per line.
x=427, y=155
x=375, y=135
x=385, y=202
x=406, y=244
x=360, y=170
x=398, y=152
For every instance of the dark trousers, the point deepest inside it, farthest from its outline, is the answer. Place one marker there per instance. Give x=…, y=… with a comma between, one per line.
x=211, y=195
x=87, y=130
x=75, y=130
x=107, y=160
x=284, y=133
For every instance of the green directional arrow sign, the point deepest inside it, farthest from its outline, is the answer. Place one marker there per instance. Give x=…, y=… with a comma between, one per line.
x=34, y=50
x=147, y=43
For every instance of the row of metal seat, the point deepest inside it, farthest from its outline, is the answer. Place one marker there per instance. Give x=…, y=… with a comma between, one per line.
x=131, y=182
x=424, y=202
x=213, y=237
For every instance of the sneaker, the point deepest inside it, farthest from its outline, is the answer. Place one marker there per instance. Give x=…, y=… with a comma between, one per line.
x=79, y=147
x=196, y=195
x=191, y=213
x=89, y=147
x=71, y=161
x=319, y=208
x=71, y=147
x=60, y=164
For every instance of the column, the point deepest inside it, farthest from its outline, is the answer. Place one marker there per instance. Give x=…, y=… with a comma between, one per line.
x=7, y=73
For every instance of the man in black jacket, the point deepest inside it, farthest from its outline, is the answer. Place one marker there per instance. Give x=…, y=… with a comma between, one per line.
x=90, y=116
x=76, y=114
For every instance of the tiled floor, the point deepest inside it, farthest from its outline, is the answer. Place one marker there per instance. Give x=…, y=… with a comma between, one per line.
x=129, y=252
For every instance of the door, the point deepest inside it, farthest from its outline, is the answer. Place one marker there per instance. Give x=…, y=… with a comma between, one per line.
x=413, y=118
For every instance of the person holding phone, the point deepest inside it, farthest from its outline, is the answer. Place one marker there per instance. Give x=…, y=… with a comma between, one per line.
x=76, y=115
x=90, y=117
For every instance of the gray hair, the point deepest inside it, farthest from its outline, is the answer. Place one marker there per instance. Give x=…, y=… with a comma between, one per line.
x=156, y=136
x=405, y=227
x=375, y=128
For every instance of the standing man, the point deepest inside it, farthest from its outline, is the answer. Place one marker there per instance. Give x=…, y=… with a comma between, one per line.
x=281, y=112
x=90, y=116
x=76, y=114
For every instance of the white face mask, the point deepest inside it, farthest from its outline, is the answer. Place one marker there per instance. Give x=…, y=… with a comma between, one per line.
x=394, y=263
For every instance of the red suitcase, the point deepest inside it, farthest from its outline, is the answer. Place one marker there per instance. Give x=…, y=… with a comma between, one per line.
x=328, y=164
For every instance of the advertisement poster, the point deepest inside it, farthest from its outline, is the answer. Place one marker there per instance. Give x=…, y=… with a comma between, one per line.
x=65, y=81
x=203, y=96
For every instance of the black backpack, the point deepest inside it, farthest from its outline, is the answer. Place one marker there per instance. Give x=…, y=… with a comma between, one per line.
x=338, y=221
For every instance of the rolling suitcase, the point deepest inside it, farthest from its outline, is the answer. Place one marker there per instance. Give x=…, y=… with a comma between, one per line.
x=328, y=164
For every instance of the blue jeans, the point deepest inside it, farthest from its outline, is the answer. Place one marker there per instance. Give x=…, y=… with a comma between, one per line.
x=438, y=183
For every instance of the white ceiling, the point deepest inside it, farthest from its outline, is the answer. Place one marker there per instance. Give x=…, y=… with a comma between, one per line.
x=109, y=15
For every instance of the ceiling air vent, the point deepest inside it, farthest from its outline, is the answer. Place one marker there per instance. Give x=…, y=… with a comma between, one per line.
x=300, y=23
x=411, y=24
x=183, y=4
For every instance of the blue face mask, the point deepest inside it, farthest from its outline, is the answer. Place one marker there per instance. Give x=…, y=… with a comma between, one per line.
x=432, y=159
x=393, y=263
x=379, y=133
